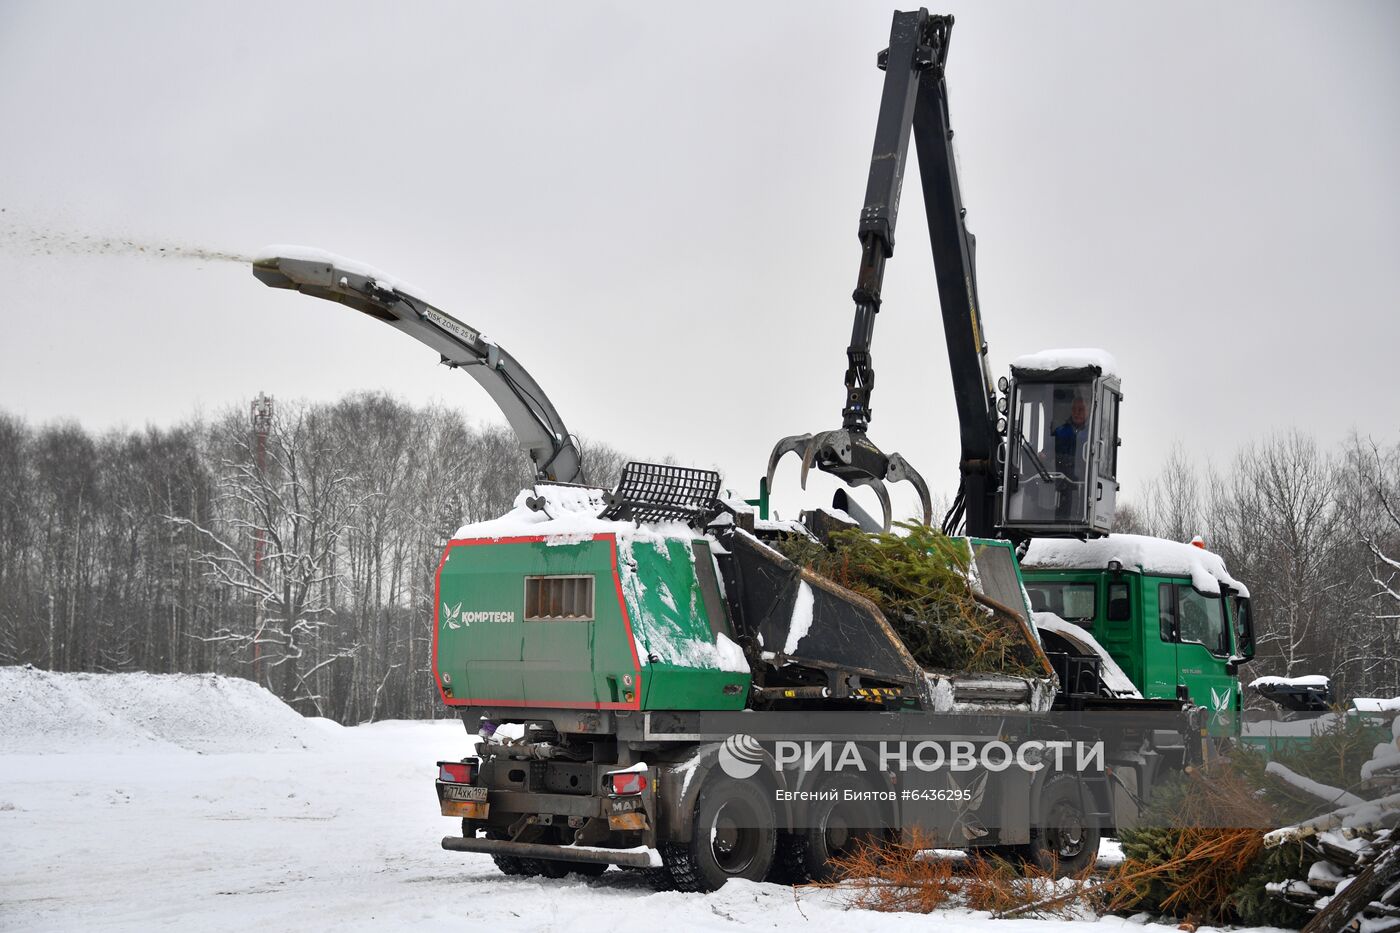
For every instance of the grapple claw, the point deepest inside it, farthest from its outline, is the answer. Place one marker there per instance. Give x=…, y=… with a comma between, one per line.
x=899, y=470
x=808, y=455
x=882, y=494
x=826, y=449
x=855, y=460
x=797, y=442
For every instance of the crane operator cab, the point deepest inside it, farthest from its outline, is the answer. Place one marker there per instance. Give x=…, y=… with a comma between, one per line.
x=1061, y=453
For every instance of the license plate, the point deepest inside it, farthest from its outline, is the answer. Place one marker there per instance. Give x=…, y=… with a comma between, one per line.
x=466, y=809
x=463, y=792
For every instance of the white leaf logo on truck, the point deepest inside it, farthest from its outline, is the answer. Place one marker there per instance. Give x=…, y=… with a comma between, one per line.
x=1221, y=702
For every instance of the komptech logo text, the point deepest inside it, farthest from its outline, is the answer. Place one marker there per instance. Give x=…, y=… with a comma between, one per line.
x=453, y=616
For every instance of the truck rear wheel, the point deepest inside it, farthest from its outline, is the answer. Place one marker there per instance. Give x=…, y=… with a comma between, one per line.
x=508, y=864
x=836, y=828
x=1066, y=841
x=733, y=836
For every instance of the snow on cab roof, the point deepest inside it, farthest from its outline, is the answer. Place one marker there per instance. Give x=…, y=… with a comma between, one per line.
x=1150, y=555
x=1047, y=361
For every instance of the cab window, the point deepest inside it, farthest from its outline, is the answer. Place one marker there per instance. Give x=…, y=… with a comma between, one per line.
x=1244, y=626
x=1166, y=611
x=1073, y=602
x=1120, y=606
x=1108, y=436
x=1189, y=616
x=1050, y=444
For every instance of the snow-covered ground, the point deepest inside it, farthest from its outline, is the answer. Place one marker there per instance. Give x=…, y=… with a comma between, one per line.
x=132, y=803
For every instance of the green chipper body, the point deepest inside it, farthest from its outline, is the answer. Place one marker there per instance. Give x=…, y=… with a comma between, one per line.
x=590, y=621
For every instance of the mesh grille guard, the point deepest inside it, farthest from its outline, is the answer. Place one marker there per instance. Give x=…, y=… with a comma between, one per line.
x=659, y=492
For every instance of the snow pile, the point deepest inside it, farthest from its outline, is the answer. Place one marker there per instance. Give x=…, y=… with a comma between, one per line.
x=43, y=711
x=1385, y=757
x=1315, y=789
x=1150, y=555
x=1376, y=705
x=774, y=525
x=564, y=520
x=1110, y=673
x=801, y=622
x=729, y=655
x=1049, y=361
x=1307, y=680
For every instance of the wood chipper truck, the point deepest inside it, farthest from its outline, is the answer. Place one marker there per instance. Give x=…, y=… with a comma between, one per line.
x=656, y=682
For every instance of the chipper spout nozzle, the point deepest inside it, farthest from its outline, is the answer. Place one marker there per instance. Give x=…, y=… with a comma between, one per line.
x=855, y=460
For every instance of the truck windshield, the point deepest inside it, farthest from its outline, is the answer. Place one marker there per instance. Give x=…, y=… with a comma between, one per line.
x=1048, y=453
x=1073, y=602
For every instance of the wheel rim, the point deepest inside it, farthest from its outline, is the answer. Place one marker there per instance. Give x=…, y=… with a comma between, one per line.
x=734, y=839
x=1066, y=833
x=840, y=831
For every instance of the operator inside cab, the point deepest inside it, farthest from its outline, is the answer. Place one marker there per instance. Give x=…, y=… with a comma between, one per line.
x=1061, y=450
x=1071, y=451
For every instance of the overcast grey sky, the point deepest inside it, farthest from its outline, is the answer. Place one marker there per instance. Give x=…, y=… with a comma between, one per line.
x=654, y=206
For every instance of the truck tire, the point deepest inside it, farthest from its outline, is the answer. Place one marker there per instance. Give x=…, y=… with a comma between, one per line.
x=508, y=864
x=659, y=879
x=1066, y=841
x=734, y=836
x=836, y=828
x=789, y=860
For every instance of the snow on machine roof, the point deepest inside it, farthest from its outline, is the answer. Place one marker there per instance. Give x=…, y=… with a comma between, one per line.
x=566, y=515
x=1074, y=358
x=1150, y=555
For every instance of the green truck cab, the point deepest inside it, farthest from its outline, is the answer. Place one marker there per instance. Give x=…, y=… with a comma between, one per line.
x=1169, y=614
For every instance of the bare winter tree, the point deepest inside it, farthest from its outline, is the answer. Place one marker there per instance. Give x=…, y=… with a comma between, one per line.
x=17, y=631
x=1372, y=498
x=276, y=543
x=1278, y=522
x=66, y=490
x=1171, y=502
x=1129, y=519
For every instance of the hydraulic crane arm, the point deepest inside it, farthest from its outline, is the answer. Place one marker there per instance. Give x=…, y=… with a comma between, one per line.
x=954, y=259
x=914, y=103
x=553, y=450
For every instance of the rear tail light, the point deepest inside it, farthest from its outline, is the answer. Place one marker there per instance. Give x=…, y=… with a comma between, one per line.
x=625, y=783
x=457, y=772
